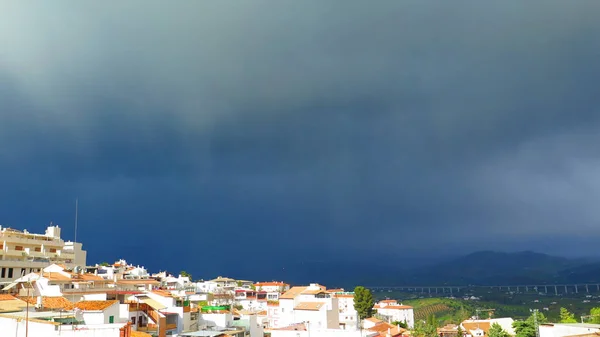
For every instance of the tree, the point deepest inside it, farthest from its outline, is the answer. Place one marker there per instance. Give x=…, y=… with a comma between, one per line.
x=403, y=325
x=459, y=332
x=184, y=273
x=105, y=264
x=566, y=316
x=595, y=315
x=253, y=287
x=433, y=321
x=239, y=283
x=363, y=302
x=497, y=331
x=527, y=327
x=424, y=329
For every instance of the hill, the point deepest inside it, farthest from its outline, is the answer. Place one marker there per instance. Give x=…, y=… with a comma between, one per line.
x=493, y=268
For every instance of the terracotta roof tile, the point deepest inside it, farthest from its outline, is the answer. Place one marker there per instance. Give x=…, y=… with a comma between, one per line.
x=94, y=305
x=7, y=297
x=474, y=325
x=162, y=293
x=292, y=293
x=50, y=302
x=309, y=306
x=392, y=307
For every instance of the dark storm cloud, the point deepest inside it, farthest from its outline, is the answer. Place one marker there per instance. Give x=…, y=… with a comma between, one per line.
x=374, y=123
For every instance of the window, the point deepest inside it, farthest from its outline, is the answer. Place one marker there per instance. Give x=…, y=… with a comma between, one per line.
x=111, y=319
x=38, y=249
x=1, y=246
x=52, y=250
x=3, y=273
x=18, y=247
x=133, y=320
x=10, y=272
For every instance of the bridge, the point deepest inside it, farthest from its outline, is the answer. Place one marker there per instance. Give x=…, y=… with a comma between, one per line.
x=539, y=288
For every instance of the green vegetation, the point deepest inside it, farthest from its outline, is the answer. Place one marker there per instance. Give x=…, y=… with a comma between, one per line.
x=425, y=328
x=517, y=305
x=497, y=331
x=403, y=325
x=104, y=264
x=566, y=316
x=184, y=273
x=594, y=315
x=527, y=327
x=363, y=302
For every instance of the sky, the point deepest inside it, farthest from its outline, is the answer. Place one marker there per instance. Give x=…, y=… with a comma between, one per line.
x=231, y=137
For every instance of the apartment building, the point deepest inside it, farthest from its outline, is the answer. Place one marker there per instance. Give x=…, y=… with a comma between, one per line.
x=22, y=252
x=348, y=315
x=309, y=304
x=391, y=311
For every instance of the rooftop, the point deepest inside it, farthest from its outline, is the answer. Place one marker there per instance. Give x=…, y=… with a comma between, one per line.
x=94, y=305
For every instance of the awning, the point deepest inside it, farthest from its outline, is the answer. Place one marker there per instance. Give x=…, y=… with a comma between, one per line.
x=153, y=303
x=10, y=286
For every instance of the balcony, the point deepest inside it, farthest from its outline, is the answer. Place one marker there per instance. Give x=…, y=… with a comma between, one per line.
x=39, y=240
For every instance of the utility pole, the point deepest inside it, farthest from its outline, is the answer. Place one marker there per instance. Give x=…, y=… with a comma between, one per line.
x=535, y=323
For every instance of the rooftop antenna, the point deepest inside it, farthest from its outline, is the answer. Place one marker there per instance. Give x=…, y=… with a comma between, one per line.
x=76, y=211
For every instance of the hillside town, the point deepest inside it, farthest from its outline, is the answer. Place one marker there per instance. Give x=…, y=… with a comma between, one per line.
x=49, y=290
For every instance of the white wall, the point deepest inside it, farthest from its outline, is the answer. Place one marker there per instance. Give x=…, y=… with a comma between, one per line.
x=317, y=319
x=220, y=320
x=102, y=317
x=17, y=329
x=94, y=297
x=561, y=330
x=322, y=333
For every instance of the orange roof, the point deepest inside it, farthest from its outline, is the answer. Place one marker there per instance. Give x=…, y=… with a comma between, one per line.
x=270, y=284
x=262, y=313
x=292, y=293
x=50, y=302
x=373, y=320
x=56, y=276
x=388, y=301
x=141, y=281
x=7, y=297
x=393, y=307
x=309, y=306
x=383, y=328
x=335, y=290
x=473, y=325
x=94, y=305
x=162, y=293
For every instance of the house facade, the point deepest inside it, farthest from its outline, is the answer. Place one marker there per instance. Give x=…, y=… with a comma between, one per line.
x=22, y=252
x=391, y=311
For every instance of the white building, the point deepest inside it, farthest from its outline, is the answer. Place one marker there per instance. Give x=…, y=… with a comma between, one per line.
x=272, y=287
x=481, y=327
x=313, y=304
x=348, y=315
x=22, y=252
x=307, y=330
x=568, y=329
x=391, y=311
x=41, y=324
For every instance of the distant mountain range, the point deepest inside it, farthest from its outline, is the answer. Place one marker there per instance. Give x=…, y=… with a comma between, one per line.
x=479, y=268
x=498, y=268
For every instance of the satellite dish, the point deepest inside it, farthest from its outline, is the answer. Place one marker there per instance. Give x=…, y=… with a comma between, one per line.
x=78, y=270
